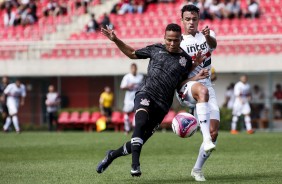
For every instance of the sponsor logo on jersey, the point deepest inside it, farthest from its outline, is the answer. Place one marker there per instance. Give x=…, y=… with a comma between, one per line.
x=196, y=47
x=145, y=102
x=182, y=61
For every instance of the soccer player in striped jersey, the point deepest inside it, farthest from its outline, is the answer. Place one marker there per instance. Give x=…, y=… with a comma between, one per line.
x=242, y=92
x=194, y=41
x=15, y=93
x=130, y=83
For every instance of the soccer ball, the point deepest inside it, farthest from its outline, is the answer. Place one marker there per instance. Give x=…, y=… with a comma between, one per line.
x=184, y=125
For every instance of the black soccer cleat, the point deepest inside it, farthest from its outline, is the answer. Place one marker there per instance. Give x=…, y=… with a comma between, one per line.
x=135, y=171
x=103, y=165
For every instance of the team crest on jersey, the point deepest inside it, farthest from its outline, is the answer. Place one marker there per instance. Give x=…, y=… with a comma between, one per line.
x=182, y=61
x=145, y=102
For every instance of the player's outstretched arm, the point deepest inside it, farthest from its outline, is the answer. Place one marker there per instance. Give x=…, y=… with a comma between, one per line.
x=126, y=49
x=211, y=41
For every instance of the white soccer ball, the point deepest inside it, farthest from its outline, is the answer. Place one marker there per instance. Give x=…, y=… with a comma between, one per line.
x=184, y=124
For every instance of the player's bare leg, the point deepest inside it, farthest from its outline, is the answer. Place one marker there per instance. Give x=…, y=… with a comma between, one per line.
x=203, y=155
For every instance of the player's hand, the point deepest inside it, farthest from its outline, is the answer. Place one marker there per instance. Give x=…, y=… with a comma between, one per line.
x=206, y=31
x=109, y=32
x=22, y=103
x=204, y=73
x=198, y=58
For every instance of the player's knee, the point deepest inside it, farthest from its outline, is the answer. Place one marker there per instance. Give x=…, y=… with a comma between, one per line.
x=203, y=94
x=141, y=118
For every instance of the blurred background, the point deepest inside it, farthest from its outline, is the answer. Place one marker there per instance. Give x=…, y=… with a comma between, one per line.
x=58, y=42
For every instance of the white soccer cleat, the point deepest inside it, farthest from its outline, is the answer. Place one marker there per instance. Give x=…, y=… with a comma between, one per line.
x=198, y=175
x=209, y=146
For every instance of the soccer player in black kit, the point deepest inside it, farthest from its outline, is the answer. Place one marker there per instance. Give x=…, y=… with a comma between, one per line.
x=168, y=68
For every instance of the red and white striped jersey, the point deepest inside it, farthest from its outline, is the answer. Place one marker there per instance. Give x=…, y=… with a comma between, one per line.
x=191, y=45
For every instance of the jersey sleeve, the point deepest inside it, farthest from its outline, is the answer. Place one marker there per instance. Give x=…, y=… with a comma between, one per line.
x=7, y=89
x=144, y=53
x=23, y=91
x=212, y=34
x=237, y=90
x=124, y=82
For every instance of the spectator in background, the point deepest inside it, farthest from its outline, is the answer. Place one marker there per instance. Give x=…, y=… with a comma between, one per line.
x=9, y=17
x=3, y=107
x=92, y=25
x=28, y=16
x=106, y=21
x=277, y=107
x=138, y=6
x=229, y=97
x=15, y=93
x=126, y=7
x=252, y=10
x=278, y=92
x=234, y=9
x=215, y=9
x=50, y=8
x=52, y=103
x=204, y=6
x=84, y=3
x=106, y=102
x=257, y=104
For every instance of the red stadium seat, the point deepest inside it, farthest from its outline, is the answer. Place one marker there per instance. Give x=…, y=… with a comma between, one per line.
x=117, y=120
x=74, y=117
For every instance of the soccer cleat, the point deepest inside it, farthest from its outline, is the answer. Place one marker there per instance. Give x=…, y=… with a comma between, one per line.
x=135, y=171
x=198, y=175
x=209, y=146
x=250, y=132
x=234, y=132
x=103, y=165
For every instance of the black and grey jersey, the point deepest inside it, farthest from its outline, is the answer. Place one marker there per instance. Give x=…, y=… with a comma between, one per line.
x=165, y=72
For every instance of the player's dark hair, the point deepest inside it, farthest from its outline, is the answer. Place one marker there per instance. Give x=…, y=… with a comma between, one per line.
x=134, y=64
x=173, y=27
x=189, y=8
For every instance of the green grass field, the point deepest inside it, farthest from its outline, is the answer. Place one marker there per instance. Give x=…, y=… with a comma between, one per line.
x=71, y=157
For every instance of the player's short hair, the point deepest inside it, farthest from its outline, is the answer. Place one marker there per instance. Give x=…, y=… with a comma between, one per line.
x=173, y=27
x=189, y=8
x=133, y=64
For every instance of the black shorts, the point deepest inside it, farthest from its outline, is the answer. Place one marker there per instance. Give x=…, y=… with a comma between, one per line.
x=4, y=108
x=155, y=112
x=108, y=111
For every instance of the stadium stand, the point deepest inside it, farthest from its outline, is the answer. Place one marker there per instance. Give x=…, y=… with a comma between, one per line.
x=135, y=26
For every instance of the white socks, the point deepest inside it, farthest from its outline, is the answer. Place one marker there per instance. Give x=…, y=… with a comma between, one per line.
x=15, y=122
x=126, y=123
x=247, y=120
x=7, y=123
x=202, y=157
x=203, y=114
x=234, y=123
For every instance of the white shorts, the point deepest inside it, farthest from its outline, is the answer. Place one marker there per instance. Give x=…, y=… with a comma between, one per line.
x=12, y=106
x=214, y=109
x=240, y=108
x=128, y=107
